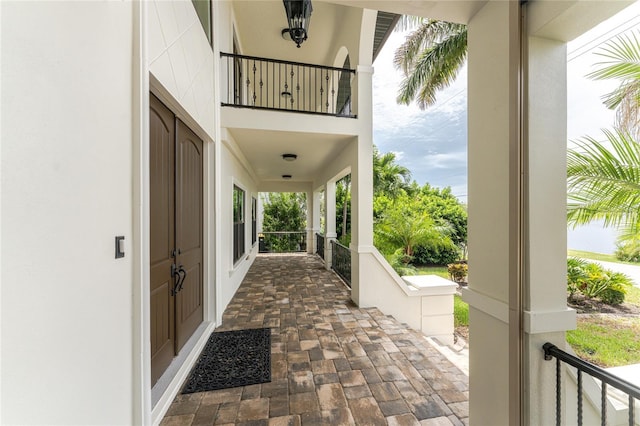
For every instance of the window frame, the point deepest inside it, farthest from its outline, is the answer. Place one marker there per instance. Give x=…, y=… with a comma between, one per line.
x=238, y=217
x=254, y=220
x=207, y=26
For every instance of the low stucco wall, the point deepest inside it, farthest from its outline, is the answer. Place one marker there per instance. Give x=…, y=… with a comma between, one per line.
x=423, y=302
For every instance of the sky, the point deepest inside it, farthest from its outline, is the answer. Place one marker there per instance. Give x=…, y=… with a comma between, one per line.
x=432, y=143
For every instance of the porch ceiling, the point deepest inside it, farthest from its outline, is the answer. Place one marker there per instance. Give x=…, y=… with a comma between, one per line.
x=447, y=10
x=264, y=148
x=259, y=25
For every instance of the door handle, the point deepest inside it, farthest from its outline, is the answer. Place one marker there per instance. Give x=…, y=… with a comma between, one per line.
x=181, y=271
x=175, y=273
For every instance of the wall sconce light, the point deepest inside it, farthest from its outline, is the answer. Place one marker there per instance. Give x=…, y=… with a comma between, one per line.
x=286, y=176
x=289, y=157
x=298, y=16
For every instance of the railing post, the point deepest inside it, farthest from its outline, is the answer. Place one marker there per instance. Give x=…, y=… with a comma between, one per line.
x=607, y=379
x=328, y=250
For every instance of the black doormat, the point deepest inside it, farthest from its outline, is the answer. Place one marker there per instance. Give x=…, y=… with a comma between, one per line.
x=231, y=359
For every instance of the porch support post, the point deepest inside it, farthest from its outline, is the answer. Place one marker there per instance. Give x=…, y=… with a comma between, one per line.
x=546, y=315
x=517, y=214
x=494, y=199
x=315, y=219
x=310, y=211
x=330, y=221
x=362, y=187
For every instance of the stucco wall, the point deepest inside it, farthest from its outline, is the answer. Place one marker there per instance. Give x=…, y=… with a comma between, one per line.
x=234, y=171
x=181, y=58
x=66, y=135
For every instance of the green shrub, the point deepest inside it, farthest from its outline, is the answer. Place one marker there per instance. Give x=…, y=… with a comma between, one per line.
x=594, y=281
x=575, y=275
x=612, y=296
x=628, y=251
x=400, y=263
x=458, y=271
x=436, y=253
x=345, y=240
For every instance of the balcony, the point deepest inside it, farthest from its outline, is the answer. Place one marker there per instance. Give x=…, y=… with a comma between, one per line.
x=332, y=362
x=270, y=84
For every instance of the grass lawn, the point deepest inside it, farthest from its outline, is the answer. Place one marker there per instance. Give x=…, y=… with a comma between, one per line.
x=597, y=256
x=592, y=256
x=606, y=341
x=440, y=271
x=633, y=296
x=460, y=312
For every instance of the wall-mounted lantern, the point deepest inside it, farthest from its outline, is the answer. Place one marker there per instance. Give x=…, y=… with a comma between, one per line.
x=298, y=17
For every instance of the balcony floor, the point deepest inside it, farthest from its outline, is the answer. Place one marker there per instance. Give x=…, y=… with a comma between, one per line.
x=332, y=363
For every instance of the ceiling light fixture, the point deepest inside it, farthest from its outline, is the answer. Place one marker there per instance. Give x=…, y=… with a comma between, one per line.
x=289, y=157
x=298, y=16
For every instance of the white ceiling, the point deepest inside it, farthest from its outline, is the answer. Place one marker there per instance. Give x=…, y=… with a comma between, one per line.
x=264, y=149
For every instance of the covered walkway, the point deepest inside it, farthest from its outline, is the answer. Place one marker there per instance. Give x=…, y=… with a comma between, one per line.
x=332, y=363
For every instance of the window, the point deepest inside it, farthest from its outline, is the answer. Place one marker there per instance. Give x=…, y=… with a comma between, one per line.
x=203, y=9
x=237, y=73
x=238, y=223
x=343, y=106
x=254, y=220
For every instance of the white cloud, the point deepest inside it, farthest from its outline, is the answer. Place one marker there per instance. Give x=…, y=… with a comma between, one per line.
x=445, y=160
x=399, y=155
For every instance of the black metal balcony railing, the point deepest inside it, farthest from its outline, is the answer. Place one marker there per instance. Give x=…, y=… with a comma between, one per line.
x=320, y=245
x=282, y=242
x=263, y=83
x=341, y=261
x=607, y=379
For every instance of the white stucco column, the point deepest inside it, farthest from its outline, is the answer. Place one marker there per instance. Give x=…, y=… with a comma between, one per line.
x=309, y=219
x=493, y=226
x=546, y=315
x=517, y=218
x=362, y=185
x=329, y=221
x=315, y=219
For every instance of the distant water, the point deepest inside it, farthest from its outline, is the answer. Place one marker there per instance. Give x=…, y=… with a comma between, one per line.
x=593, y=237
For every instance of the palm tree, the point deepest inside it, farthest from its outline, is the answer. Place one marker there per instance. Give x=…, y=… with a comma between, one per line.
x=406, y=231
x=388, y=176
x=622, y=62
x=604, y=177
x=430, y=58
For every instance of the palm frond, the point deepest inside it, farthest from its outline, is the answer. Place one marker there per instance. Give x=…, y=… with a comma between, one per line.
x=425, y=36
x=604, y=180
x=622, y=59
x=434, y=69
x=408, y=22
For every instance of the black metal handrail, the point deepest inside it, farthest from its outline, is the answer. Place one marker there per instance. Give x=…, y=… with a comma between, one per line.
x=263, y=83
x=341, y=261
x=282, y=242
x=607, y=379
x=320, y=245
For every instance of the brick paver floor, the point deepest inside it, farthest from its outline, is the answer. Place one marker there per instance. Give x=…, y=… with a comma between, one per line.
x=332, y=362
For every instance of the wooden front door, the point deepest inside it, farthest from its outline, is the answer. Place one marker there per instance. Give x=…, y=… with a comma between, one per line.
x=176, y=307
x=188, y=232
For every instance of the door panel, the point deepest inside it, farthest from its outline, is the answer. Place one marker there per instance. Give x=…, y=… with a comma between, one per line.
x=162, y=198
x=189, y=303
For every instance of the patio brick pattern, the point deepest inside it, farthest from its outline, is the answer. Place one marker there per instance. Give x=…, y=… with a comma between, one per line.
x=332, y=362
